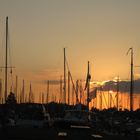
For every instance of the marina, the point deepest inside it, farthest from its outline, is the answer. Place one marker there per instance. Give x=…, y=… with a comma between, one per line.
x=55, y=93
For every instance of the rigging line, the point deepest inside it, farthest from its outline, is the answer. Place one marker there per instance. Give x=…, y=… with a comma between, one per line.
x=11, y=70
x=70, y=74
x=113, y=100
x=105, y=100
x=9, y=48
x=11, y=79
x=2, y=48
x=83, y=91
x=72, y=80
x=67, y=64
x=10, y=59
x=1, y=56
x=3, y=45
x=74, y=87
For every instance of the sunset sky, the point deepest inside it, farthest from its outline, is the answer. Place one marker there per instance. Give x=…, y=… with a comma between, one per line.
x=99, y=31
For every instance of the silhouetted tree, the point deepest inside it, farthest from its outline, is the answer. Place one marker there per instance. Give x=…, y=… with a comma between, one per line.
x=11, y=101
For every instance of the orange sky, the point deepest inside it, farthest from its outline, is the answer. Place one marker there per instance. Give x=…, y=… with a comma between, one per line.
x=97, y=31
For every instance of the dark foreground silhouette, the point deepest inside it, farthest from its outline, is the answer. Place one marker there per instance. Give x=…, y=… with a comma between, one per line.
x=27, y=121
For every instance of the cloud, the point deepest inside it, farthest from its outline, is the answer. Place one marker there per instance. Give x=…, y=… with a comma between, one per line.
x=124, y=86
x=52, y=82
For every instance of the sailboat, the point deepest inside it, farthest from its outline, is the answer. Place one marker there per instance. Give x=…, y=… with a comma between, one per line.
x=6, y=65
x=8, y=111
x=74, y=122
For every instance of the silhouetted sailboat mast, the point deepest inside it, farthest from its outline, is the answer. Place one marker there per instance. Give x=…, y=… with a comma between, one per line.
x=16, y=88
x=6, y=59
x=100, y=98
x=61, y=89
x=48, y=83
x=64, y=76
x=68, y=87
x=77, y=90
x=131, y=80
x=88, y=86
x=6, y=63
x=117, y=95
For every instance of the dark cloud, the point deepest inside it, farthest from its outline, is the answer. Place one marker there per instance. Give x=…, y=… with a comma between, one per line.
x=52, y=82
x=124, y=86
